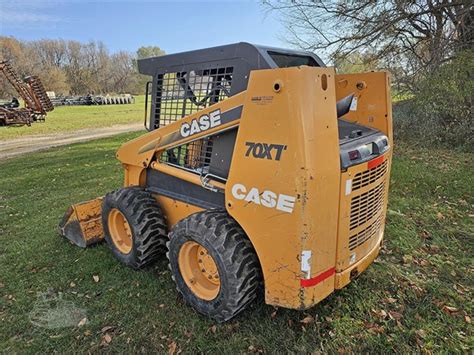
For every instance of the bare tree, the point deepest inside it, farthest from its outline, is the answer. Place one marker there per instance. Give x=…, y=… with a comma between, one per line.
x=410, y=36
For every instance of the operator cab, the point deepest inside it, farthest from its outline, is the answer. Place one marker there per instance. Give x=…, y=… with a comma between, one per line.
x=184, y=83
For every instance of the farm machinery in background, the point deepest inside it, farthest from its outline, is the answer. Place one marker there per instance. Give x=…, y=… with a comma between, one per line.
x=31, y=91
x=89, y=100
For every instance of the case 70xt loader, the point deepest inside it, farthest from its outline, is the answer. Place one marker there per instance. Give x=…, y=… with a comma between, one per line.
x=263, y=169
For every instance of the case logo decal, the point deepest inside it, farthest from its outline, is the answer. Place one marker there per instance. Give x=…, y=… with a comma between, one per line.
x=265, y=198
x=201, y=124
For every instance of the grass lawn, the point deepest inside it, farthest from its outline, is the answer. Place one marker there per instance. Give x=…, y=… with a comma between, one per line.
x=417, y=296
x=71, y=118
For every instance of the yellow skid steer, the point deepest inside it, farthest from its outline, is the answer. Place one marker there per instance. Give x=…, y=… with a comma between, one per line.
x=263, y=169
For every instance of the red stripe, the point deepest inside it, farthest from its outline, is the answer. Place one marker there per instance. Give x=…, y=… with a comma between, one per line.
x=375, y=162
x=320, y=278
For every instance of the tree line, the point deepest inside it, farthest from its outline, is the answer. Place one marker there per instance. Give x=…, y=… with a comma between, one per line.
x=74, y=68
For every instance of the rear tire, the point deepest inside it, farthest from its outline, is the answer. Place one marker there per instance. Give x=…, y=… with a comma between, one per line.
x=134, y=226
x=219, y=237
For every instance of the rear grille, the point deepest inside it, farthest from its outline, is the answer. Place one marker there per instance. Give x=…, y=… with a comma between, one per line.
x=367, y=177
x=366, y=205
x=365, y=234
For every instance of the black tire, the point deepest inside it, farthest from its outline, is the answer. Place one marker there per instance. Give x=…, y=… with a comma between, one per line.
x=146, y=221
x=237, y=263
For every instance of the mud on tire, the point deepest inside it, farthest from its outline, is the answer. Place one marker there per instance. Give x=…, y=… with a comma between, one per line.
x=237, y=263
x=146, y=221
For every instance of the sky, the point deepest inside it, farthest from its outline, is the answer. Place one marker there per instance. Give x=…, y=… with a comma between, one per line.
x=174, y=26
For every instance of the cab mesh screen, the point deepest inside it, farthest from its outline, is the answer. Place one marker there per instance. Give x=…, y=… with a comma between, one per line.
x=182, y=93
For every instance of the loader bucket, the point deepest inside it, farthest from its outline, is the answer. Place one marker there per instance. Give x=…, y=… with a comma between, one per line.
x=82, y=223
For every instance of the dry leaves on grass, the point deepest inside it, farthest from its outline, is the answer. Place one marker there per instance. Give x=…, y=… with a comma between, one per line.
x=421, y=333
x=307, y=320
x=107, y=328
x=380, y=313
x=106, y=339
x=82, y=322
x=450, y=310
x=374, y=328
x=212, y=329
x=395, y=315
x=96, y=278
x=173, y=348
x=391, y=300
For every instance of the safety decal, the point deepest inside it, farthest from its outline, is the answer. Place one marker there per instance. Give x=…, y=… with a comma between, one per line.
x=318, y=279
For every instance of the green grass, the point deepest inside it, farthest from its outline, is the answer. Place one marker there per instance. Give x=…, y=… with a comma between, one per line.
x=72, y=118
x=399, y=304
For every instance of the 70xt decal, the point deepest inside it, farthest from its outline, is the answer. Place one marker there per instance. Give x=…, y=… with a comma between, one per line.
x=265, y=150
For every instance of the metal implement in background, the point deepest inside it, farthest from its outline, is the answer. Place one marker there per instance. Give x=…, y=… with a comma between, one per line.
x=89, y=100
x=31, y=90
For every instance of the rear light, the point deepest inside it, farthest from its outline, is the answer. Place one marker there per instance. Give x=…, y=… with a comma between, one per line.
x=354, y=155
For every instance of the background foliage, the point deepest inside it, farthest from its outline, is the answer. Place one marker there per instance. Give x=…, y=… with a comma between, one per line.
x=71, y=67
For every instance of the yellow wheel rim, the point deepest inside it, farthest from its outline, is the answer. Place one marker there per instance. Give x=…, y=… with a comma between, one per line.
x=199, y=270
x=120, y=231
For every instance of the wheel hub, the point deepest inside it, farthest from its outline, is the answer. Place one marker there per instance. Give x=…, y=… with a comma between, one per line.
x=199, y=270
x=120, y=231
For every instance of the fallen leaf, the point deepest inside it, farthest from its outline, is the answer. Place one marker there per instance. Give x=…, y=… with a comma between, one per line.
x=424, y=262
x=395, y=315
x=107, y=338
x=274, y=314
x=381, y=313
x=72, y=284
x=421, y=333
x=307, y=320
x=467, y=319
x=96, y=278
x=172, y=348
x=449, y=309
x=213, y=329
x=440, y=216
x=82, y=322
x=375, y=328
x=391, y=300
x=106, y=329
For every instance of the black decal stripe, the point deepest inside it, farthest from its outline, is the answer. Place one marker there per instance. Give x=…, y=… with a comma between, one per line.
x=170, y=138
x=184, y=191
x=231, y=115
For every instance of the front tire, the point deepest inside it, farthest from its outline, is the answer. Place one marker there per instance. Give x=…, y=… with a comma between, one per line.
x=134, y=226
x=213, y=264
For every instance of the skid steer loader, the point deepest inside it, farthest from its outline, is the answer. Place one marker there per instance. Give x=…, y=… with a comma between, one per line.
x=262, y=169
